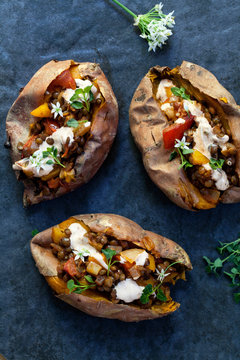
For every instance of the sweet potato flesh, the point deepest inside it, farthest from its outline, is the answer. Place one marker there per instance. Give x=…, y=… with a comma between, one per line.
x=89, y=273
x=57, y=111
x=210, y=139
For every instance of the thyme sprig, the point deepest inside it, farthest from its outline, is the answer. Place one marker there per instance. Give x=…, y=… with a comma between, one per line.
x=78, y=287
x=109, y=253
x=216, y=164
x=82, y=98
x=52, y=152
x=232, y=256
x=150, y=290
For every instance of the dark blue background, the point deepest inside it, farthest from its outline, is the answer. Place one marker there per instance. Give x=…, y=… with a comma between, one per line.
x=34, y=324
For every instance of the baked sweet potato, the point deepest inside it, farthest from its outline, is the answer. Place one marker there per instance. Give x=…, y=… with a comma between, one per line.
x=103, y=264
x=187, y=127
x=61, y=128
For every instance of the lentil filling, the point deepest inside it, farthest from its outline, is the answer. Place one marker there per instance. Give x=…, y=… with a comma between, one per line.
x=85, y=264
x=59, y=132
x=203, y=137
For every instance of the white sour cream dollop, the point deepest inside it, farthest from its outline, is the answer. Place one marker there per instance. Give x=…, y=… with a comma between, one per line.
x=128, y=290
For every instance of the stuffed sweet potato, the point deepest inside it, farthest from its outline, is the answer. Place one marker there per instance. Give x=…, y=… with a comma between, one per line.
x=108, y=266
x=61, y=128
x=187, y=127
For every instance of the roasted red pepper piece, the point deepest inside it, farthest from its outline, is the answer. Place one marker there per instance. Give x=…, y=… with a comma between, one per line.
x=70, y=267
x=176, y=131
x=50, y=126
x=65, y=80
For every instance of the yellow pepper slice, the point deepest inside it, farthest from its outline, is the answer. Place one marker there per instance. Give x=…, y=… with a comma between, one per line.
x=42, y=111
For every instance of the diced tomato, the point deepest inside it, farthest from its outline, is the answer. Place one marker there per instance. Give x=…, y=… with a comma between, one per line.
x=50, y=126
x=65, y=80
x=176, y=131
x=70, y=267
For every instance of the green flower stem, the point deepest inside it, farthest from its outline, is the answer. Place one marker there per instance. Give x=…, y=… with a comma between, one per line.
x=160, y=284
x=125, y=8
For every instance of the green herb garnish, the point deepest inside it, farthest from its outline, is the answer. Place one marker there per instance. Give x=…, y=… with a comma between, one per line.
x=183, y=149
x=109, y=253
x=77, y=287
x=180, y=92
x=232, y=252
x=216, y=164
x=52, y=152
x=82, y=98
x=34, y=232
x=150, y=290
x=172, y=155
x=184, y=162
x=72, y=123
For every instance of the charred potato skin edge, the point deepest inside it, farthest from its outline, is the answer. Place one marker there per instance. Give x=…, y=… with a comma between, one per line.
x=103, y=130
x=147, y=122
x=121, y=228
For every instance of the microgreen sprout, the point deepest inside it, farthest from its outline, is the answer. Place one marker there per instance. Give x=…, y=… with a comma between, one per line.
x=216, y=164
x=34, y=232
x=109, y=253
x=52, y=152
x=232, y=256
x=181, y=92
x=150, y=290
x=72, y=123
x=154, y=26
x=78, y=287
x=183, y=149
x=82, y=98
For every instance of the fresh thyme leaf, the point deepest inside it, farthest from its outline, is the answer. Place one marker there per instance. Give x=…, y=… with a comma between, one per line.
x=78, y=288
x=77, y=105
x=73, y=123
x=180, y=92
x=109, y=253
x=82, y=98
x=87, y=89
x=172, y=155
x=89, y=278
x=70, y=285
x=218, y=263
x=184, y=163
x=147, y=292
x=231, y=251
x=187, y=151
x=161, y=296
x=237, y=297
x=45, y=154
x=34, y=232
x=52, y=152
x=216, y=164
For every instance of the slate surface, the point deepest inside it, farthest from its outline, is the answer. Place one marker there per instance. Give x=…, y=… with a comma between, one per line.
x=35, y=325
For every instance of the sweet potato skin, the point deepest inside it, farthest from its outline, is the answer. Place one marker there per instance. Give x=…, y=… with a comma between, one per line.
x=147, y=123
x=103, y=130
x=92, y=303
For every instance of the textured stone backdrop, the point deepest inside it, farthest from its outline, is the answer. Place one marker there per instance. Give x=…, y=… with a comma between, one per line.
x=36, y=326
